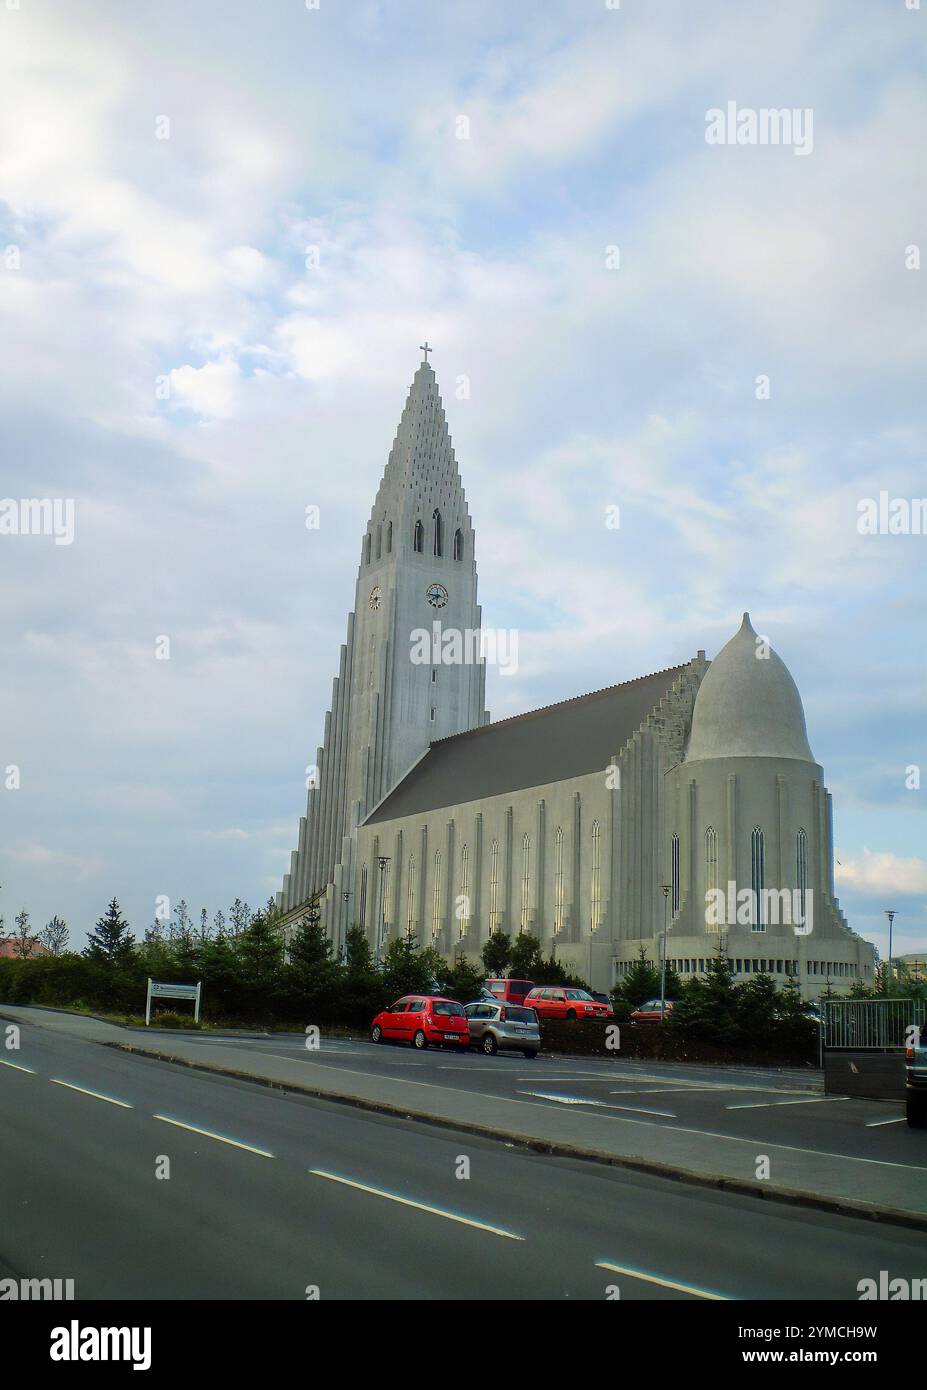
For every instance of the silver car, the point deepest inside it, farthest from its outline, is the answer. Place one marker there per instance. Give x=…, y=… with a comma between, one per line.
x=496, y=1026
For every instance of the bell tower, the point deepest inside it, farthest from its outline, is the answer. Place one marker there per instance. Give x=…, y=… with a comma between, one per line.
x=398, y=686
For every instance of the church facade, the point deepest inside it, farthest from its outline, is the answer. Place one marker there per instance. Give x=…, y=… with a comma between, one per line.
x=683, y=806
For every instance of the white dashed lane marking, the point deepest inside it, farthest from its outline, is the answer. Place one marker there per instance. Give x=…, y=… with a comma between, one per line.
x=418, y=1206
x=220, y=1138
x=97, y=1095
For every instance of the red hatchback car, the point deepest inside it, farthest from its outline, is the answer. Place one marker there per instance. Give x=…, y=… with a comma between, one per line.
x=422, y=1019
x=549, y=1001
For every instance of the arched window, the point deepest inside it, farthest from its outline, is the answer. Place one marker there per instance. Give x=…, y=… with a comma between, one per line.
x=595, y=894
x=439, y=538
x=367, y=549
x=389, y=538
x=463, y=914
x=525, y=883
x=558, y=882
x=711, y=860
x=458, y=544
x=379, y=541
x=436, y=901
x=758, y=878
x=801, y=855
x=674, y=874
x=493, y=885
x=410, y=900
x=418, y=537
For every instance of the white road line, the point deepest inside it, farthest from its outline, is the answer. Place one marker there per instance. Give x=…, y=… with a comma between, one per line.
x=419, y=1206
x=601, y=1104
x=663, y=1283
x=235, y=1143
x=84, y=1092
x=767, y=1104
x=874, y=1124
x=17, y=1067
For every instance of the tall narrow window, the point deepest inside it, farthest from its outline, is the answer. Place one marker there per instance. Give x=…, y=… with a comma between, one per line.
x=558, y=882
x=758, y=878
x=418, y=537
x=367, y=549
x=379, y=541
x=458, y=544
x=595, y=895
x=410, y=900
x=801, y=855
x=493, y=885
x=463, y=910
x=711, y=860
x=362, y=910
x=525, y=883
x=385, y=891
x=389, y=537
x=436, y=901
x=674, y=874
x=438, y=537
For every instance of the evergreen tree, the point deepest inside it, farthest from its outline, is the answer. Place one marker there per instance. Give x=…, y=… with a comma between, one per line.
x=640, y=983
x=496, y=953
x=358, y=960
x=405, y=969
x=525, y=957
x=310, y=950
x=464, y=982
x=111, y=942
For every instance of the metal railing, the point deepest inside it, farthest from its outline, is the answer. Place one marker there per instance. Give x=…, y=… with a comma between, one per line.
x=858, y=1024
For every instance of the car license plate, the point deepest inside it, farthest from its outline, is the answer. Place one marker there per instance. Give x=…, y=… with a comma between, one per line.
x=451, y=1037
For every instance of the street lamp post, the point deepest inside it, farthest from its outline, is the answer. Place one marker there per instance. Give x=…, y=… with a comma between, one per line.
x=890, y=914
x=343, y=949
x=666, y=890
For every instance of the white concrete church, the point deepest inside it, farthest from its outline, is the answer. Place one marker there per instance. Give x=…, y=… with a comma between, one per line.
x=686, y=802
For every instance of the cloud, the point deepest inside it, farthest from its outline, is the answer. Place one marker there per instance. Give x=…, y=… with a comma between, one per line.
x=881, y=874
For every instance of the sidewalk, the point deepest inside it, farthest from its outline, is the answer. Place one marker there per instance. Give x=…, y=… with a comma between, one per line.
x=834, y=1182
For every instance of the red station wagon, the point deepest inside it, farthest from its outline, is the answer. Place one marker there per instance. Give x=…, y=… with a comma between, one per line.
x=422, y=1019
x=554, y=1001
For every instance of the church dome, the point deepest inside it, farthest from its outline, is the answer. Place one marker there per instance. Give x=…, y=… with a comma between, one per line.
x=748, y=706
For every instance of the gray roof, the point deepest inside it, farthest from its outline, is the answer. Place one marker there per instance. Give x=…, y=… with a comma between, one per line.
x=570, y=739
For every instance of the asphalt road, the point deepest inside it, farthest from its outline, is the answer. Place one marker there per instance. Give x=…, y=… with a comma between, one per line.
x=270, y=1194
x=781, y=1107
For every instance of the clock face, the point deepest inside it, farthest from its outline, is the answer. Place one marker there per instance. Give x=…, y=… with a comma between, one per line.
x=375, y=597
x=436, y=595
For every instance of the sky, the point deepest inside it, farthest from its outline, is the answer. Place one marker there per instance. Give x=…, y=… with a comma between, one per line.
x=225, y=229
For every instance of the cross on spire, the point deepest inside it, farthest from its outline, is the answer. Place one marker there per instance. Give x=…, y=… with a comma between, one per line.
x=426, y=349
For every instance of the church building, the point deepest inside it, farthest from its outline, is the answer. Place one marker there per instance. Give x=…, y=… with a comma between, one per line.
x=683, y=806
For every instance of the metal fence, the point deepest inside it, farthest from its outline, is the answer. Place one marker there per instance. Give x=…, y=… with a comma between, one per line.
x=860, y=1024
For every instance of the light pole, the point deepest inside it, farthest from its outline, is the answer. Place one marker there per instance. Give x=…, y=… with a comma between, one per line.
x=890, y=914
x=666, y=890
x=382, y=860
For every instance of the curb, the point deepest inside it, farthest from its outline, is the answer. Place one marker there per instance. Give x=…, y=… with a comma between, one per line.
x=837, y=1206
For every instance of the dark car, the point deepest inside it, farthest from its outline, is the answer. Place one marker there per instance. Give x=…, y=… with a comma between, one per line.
x=915, y=1076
